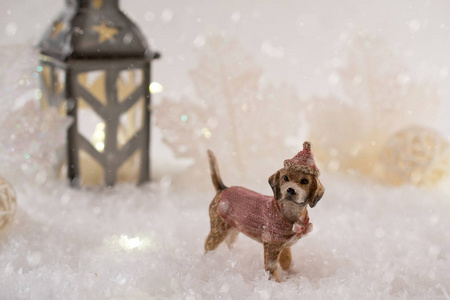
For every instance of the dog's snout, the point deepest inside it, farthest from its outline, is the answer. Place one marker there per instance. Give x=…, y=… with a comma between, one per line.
x=291, y=191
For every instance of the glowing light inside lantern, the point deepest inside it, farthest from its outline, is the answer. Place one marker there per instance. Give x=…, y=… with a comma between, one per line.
x=98, y=138
x=155, y=87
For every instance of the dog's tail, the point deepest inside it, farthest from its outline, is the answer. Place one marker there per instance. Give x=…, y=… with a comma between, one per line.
x=214, y=170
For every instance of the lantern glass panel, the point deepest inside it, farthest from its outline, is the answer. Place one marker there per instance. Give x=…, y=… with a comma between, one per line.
x=60, y=83
x=94, y=83
x=46, y=74
x=129, y=170
x=91, y=126
x=53, y=87
x=130, y=122
x=127, y=82
x=92, y=172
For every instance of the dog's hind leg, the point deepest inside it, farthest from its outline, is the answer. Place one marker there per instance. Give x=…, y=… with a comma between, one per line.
x=285, y=258
x=217, y=235
x=219, y=228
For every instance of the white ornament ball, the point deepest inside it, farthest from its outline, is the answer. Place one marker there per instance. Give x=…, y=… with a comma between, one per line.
x=416, y=155
x=7, y=203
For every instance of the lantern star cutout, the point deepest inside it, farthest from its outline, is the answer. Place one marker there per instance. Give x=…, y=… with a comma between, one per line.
x=105, y=33
x=57, y=28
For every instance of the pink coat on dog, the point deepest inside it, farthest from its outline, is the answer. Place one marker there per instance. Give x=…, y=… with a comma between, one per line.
x=259, y=216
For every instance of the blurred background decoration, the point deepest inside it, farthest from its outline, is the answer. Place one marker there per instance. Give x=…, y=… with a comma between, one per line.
x=248, y=124
x=95, y=66
x=30, y=138
x=416, y=155
x=248, y=94
x=371, y=127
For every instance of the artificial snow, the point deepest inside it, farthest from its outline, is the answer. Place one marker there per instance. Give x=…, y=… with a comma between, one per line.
x=369, y=242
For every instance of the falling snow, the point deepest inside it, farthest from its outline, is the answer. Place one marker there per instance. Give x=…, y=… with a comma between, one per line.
x=370, y=241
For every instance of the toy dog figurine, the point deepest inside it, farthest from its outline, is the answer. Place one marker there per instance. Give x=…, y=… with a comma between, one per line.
x=277, y=222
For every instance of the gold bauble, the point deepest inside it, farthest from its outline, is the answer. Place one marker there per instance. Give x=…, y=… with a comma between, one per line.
x=7, y=203
x=416, y=155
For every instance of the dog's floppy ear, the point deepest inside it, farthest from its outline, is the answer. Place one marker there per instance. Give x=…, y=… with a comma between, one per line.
x=274, y=182
x=317, y=194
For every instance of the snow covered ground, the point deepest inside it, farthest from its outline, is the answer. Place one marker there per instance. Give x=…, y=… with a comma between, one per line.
x=369, y=242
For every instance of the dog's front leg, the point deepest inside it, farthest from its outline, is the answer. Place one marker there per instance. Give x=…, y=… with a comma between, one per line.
x=271, y=253
x=285, y=258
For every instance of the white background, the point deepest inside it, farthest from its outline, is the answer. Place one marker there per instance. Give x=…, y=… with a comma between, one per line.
x=293, y=41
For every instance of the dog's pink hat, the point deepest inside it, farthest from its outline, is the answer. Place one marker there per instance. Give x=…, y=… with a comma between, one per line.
x=303, y=161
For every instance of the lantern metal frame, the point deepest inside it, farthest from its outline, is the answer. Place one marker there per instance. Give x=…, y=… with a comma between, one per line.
x=74, y=54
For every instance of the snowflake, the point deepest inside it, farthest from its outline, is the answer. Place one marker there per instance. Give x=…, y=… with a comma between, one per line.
x=240, y=120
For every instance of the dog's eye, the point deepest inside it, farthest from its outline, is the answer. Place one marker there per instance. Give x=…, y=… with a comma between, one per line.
x=286, y=178
x=304, y=181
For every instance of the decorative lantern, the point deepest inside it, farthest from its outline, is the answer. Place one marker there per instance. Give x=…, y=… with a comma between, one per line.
x=95, y=67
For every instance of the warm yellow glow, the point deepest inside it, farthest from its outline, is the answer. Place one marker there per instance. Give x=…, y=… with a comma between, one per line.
x=100, y=146
x=56, y=30
x=129, y=170
x=206, y=133
x=128, y=243
x=98, y=138
x=105, y=33
x=155, y=87
x=97, y=4
x=38, y=94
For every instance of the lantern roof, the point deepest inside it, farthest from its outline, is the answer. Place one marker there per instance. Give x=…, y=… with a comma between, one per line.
x=94, y=29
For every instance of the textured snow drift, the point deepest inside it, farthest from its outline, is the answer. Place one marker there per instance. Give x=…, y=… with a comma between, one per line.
x=369, y=242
